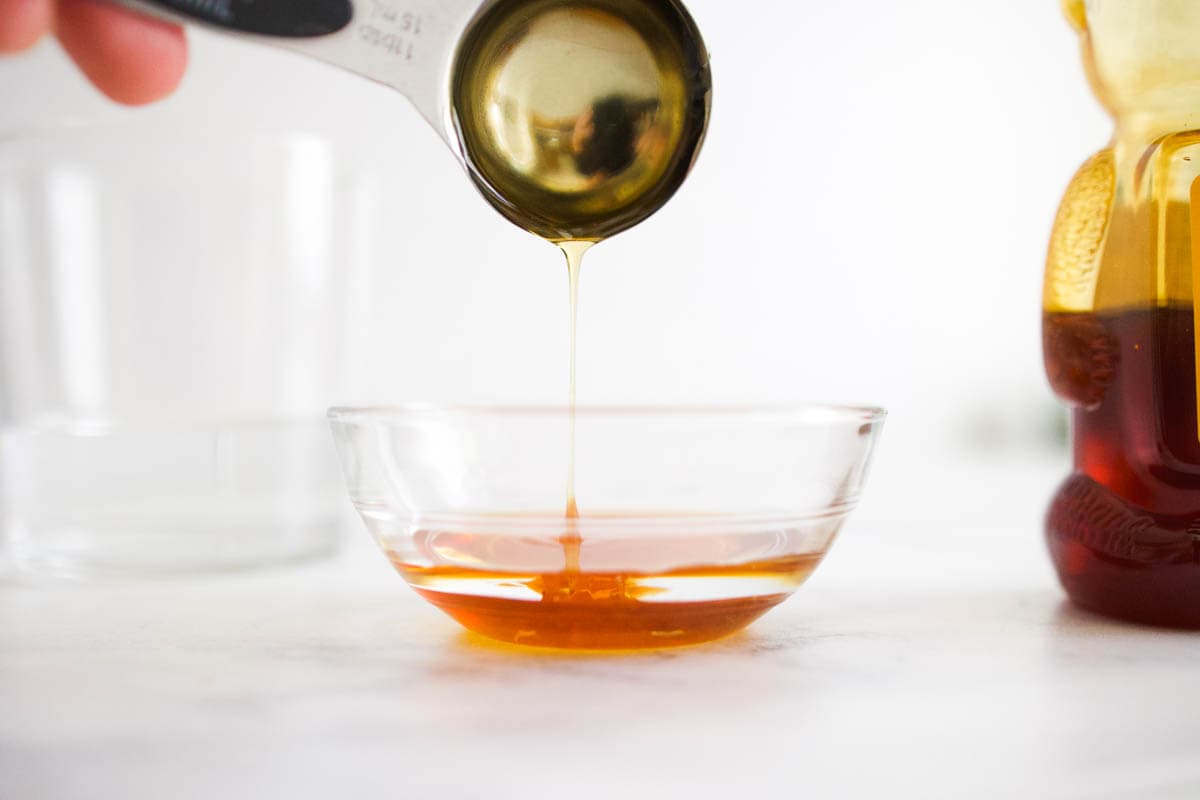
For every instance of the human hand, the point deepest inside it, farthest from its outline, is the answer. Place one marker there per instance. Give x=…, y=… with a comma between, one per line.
x=131, y=58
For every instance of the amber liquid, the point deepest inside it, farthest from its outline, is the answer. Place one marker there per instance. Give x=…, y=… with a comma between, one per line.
x=574, y=252
x=579, y=118
x=1124, y=528
x=609, y=592
x=602, y=606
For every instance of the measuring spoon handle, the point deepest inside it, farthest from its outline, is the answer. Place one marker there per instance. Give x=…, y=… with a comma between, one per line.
x=406, y=44
x=288, y=19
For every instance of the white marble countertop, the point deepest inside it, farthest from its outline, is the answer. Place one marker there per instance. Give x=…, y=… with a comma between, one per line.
x=931, y=656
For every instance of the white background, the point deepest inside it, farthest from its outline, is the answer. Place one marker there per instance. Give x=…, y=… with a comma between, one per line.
x=866, y=224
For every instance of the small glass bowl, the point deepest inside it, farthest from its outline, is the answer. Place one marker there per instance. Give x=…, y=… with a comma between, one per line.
x=692, y=522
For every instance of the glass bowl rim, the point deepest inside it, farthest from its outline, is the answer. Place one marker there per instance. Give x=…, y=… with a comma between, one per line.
x=802, y=413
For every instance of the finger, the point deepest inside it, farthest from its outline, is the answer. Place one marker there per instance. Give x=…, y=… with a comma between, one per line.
x=22, y=23
x=131, y=58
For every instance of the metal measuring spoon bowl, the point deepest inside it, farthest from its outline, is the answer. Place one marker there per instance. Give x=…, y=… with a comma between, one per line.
x=579, y=119
x=576, y=119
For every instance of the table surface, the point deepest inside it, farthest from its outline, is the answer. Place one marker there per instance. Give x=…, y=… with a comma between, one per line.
x=932, y=655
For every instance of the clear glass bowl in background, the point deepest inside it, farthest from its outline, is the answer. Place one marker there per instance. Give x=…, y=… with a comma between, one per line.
x=174, y=301
x=692, y=522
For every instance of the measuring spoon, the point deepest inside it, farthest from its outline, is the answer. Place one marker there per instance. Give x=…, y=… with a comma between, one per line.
x=576, y=119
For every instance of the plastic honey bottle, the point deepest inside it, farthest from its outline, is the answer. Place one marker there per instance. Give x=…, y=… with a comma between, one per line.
x=1119, y=332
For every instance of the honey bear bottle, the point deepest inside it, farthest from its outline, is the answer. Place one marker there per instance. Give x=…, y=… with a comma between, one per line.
x=1119, y=331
